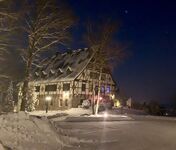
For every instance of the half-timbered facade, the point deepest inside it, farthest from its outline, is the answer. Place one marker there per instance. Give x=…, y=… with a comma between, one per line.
x=69, y=78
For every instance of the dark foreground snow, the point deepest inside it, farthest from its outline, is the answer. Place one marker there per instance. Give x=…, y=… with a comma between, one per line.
x=123, y=135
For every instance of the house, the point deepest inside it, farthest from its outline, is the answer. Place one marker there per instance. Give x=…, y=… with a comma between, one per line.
x=68, y=79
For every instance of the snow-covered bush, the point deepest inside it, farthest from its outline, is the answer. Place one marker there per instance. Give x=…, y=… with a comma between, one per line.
x=86, y=104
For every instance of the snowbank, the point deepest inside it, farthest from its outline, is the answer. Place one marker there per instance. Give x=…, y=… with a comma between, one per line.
x=62, y=114
x=19, y=131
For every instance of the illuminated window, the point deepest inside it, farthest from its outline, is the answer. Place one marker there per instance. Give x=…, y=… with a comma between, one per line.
x=102, y=89
x=108, y=89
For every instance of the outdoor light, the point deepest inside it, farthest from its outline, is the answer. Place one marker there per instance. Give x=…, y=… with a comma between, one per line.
x=117, y=103
x=47, y=100
x=101, y=98
x=105, y=115
x=112, y=96
x=65, y=95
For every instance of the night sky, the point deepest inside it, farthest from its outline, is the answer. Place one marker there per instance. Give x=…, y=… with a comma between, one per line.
x=149, y=73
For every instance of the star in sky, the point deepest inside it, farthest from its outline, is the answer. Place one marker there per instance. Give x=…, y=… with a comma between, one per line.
x=126, y=11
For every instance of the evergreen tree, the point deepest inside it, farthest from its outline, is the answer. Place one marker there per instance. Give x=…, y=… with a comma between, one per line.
x=9, y=103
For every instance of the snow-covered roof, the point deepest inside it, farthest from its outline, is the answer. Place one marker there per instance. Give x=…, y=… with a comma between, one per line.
x=63, y=66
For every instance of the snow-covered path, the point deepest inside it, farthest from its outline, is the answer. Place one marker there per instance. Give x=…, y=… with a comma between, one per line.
x=134, y=135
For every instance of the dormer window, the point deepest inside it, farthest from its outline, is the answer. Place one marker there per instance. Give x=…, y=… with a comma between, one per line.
x=52, y=71
x=60, y=71
x=69, y=70
x=44, y=74
x=36, y=74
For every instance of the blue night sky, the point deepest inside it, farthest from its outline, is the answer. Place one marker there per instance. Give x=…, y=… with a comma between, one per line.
x=149, y=73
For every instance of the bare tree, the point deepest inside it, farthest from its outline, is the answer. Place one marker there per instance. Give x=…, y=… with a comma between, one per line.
x=42, y=24
x=106, y=51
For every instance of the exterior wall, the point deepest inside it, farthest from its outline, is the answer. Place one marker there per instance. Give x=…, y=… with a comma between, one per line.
x=61, y=99
x=106, y=82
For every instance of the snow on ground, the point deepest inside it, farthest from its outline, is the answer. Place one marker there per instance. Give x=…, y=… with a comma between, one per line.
x=19, y=131
x=60, y=115
x=1, y=147
x=80, y=114
x=125, y=135
x=70, y=112
x=75, y=112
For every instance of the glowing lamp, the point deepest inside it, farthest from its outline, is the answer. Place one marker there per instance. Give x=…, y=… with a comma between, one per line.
x=65, y=95
x=48, y=98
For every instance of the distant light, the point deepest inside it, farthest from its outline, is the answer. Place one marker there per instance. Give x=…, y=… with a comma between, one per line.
x=48, y=98
x=101, y=98
x=105, y=115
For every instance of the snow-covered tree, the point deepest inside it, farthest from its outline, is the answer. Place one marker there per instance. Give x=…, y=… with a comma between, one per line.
x=32, y=98
x=9, y=101
x=40, y=25
x=106, y=51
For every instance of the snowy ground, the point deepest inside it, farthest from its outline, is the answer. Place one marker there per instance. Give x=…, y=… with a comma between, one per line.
x=41, y=131
x=124, y=135
x=70, y=112
x=19, y=131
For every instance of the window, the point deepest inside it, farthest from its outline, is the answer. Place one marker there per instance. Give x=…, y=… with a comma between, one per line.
x=94, y=75
x=103, y=77
x=49, y=88
x=61, y=103
x=66, y=86
x=96, y=90
x=69, y=70
x=37, y=88
x=80, y=61
x=102, y=89
x=83, y=87
x=90, y=87
x=108, y=89
x=66, y=102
